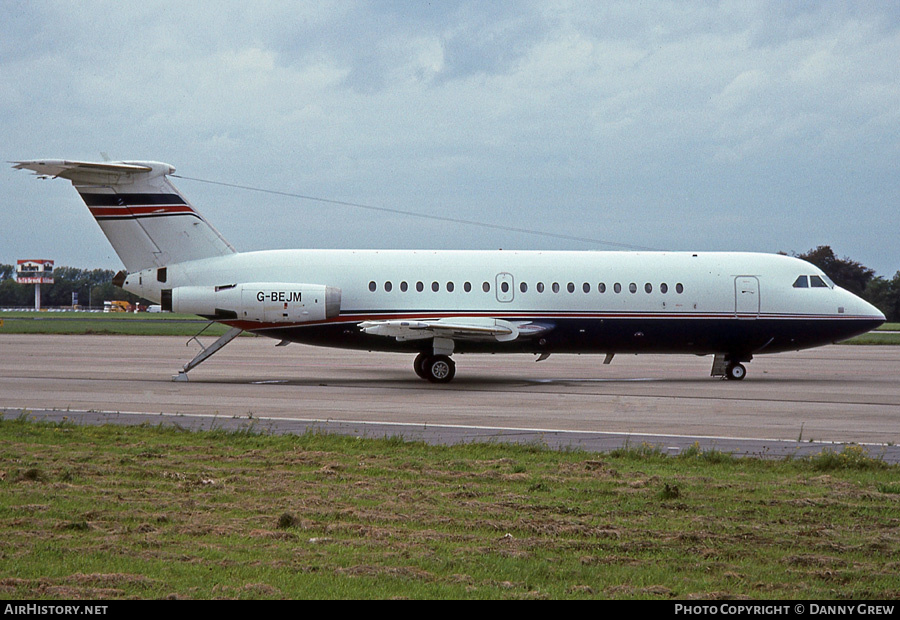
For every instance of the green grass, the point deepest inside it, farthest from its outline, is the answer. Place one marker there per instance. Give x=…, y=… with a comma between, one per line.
x=879, y=336
x=124, y=323
x=146, y=512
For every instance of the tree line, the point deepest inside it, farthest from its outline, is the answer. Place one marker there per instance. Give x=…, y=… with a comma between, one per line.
x=94, y=286
x=882, y=293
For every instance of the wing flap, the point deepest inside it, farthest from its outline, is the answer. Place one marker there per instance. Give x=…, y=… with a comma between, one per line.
x=455, y=328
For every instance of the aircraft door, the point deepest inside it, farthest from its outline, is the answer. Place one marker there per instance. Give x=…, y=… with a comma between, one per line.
x=504, y=289
x=746, y=297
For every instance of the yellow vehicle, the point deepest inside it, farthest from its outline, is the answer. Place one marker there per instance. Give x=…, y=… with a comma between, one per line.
x=117, y=306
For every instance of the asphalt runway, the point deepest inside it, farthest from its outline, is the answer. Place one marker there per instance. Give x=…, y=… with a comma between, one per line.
x=790, y=403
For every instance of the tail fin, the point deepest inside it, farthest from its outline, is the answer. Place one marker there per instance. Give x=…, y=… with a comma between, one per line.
x=147, y=221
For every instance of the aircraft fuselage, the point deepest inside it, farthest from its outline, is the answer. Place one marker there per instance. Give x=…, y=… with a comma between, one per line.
x=740, y=304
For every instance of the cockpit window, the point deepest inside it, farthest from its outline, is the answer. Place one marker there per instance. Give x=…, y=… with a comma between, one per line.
x=813, y=281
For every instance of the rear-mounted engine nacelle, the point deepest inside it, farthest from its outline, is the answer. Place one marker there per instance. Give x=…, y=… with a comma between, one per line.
x=266, y=302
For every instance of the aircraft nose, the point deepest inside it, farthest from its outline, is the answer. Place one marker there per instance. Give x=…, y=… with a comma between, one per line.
x=858, y=306
x=879, y=315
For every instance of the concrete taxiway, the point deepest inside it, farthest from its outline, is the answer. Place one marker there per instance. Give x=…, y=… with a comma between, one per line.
x=790, y=403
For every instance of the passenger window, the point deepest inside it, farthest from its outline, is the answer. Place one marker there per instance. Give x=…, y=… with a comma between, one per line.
x=817, y=282
x=504, y=286
x=450, y=287
x=555, y=287
x=617, y=288
x=648, y=288
x=523, y=287
x=420, y=287
x=372, y=286
x=679, y=288
x=388, y=286
x=467, y=287
x=404, y=286
x=570, y=287
x=663, y=288
x=540, y=287
x=801, y=282
x=601, y=288
x=486, y=287
x=586, y=287
x=632, y=287
x=435, y=287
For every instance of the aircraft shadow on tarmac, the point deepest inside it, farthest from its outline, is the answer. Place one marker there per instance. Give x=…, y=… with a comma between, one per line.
x=391, y=380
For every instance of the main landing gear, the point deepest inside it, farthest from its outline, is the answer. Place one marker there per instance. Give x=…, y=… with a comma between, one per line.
x=435, y=368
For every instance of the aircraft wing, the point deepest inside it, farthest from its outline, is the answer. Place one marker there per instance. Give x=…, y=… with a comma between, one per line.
x=455, y=328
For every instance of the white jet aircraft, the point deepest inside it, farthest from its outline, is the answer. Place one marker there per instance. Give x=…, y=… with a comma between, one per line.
x=435, y=303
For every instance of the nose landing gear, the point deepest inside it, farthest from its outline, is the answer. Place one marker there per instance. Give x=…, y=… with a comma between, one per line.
x=735, y=371
x=729, y=367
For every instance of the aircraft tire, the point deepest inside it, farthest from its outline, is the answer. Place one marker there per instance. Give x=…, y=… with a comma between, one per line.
x=419, y=365
x=735, y=372
x=439, y=369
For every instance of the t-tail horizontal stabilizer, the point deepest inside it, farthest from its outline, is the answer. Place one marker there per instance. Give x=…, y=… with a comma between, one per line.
x=149, y=223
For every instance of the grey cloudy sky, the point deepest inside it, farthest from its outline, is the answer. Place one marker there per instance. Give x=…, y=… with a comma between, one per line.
x=758, y=126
